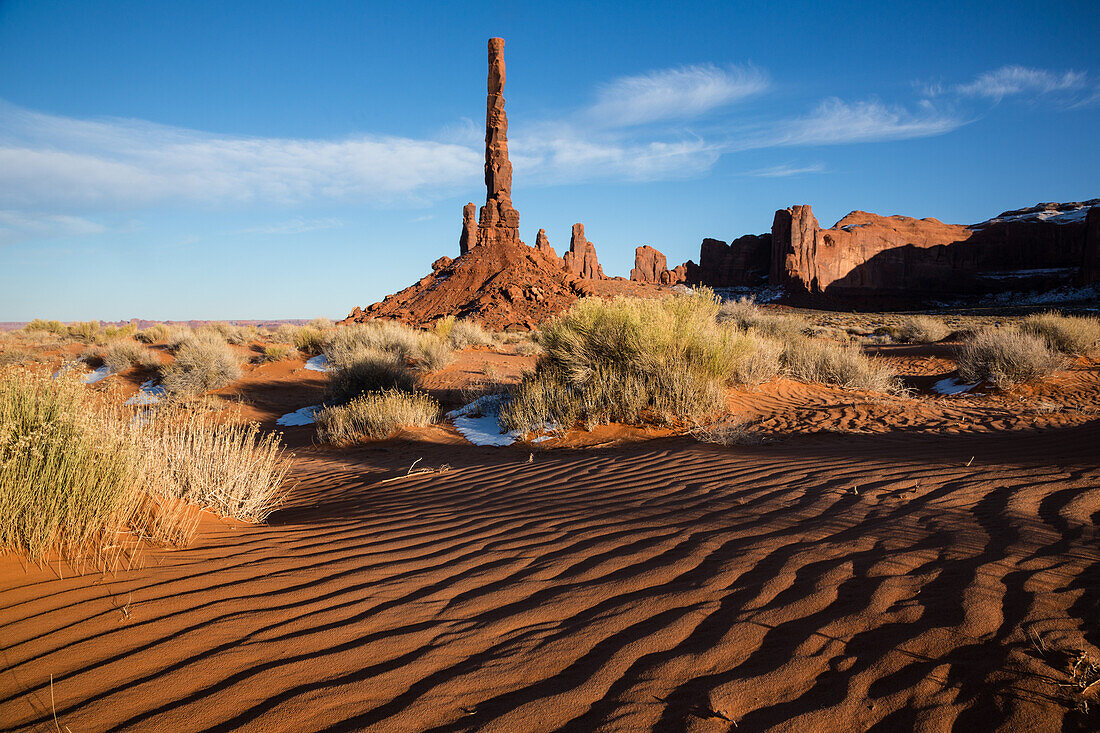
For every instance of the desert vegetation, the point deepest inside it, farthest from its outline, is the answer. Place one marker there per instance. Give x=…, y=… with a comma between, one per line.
x=922, y=330
x=278, y=352
x=1073, y=335
x=203, y=362
x=80, y=477
x=375, y=415
x=125, y=353
x=1006, y=356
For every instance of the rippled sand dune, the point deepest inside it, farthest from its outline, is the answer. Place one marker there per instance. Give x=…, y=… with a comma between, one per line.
x=830, y=582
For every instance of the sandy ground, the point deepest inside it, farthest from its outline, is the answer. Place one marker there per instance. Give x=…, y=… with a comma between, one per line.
x=869, y=563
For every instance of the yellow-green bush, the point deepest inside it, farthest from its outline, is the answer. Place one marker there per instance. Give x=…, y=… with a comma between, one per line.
x=375, y=415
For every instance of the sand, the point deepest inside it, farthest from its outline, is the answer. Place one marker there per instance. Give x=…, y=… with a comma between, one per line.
x=874, y=563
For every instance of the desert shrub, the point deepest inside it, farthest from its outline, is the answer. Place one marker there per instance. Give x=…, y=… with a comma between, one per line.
x=733, y=430
x=14, y=356
x=227, y=467
x=111, y=333
x=309, y=340
x=922, y=330
x=464, y=334
x=391, y=336
x=54, y=327
x=154, y=334
x=810, y=360
x=375, y=415
x=1005, y=356
x=122, y=354
x=442, y=327
x=321, y=324
x=745, y=314
x=1076, y=335
x=366, y=369
x=86, y=331
x=225, y=331
x=433, y=353
x=278, y=352
x=68, y=469
x=201, y=364
x=528, y=348
x=630, y=360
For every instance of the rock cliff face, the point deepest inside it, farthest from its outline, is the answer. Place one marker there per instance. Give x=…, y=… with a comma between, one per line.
x=1090, y=265
x=581, y=258
x=898, y=258
x=743, y=262
x=649, y=265
x=468, y=238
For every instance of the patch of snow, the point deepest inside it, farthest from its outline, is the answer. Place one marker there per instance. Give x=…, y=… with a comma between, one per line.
x=317, y=363
x=952, y=385
x=149, y=394
x=304, y=416
x=483, y=404
x=484, y=430
x=1052, y=216
x=99, y=374
x=1010, y=274
x=1037, y=297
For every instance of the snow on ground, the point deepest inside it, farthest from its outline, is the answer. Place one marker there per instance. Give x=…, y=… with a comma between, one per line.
x=317, y=363
x=951, y=386
x=99, y=374
x=149, y=394
x=1053, y=216
x=304, y=416
x=479, y=423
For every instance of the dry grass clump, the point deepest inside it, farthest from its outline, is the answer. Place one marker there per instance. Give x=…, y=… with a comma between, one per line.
x=746, y=314
x=154, y=334
x=278, y=352
x=226, y=467
x=201, y=364
x=827, y=362
x=733, y=430
x=427, y=350
x=631, y=360
x=922, y=330
x=375, y=415
x=1075, y=335
x=123, y=354
x=227, y=332
x=309, y=340
x=366, y=369
x=464, y=334
x=15, y=356
x=110, y=333
x=1005, y=356
x=86, y=331
x=79, y=476
x=322, y=324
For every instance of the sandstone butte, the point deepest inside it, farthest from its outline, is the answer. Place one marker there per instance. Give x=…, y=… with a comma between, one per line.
x=502, y=283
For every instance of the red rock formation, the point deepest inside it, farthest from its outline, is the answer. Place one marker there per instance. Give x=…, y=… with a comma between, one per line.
x=542, y=244
x=581, y=258
x=468, y=238
x=499, y=222
x=743, y=262
x=1090, y=265
x=866, y=255
x=649, y=265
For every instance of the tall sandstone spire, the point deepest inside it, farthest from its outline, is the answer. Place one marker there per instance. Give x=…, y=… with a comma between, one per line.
x=499, y=222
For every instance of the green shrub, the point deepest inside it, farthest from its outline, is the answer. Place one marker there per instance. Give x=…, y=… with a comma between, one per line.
x=442, y=327
x=1005, y=356
x=154, y=334
x=202, y=364
x=110, y=333
x=122, y=354
x=375, y=415
x=278, y=352
x=631, y=360
x=922, y=330
x=86, y=331
x=1076, y=335
x=54, y=327
x=309, y=340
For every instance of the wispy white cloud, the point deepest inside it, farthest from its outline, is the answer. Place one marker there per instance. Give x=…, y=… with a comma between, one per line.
x=836, y=122
x=17, y=226
x=1018, y=80
x=105, y=163
x=786, y=170
x=297, y=225
x=680, y=93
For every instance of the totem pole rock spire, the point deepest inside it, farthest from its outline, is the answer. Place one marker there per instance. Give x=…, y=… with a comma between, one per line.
x=498, y=222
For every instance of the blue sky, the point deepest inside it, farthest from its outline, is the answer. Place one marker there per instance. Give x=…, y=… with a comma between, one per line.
x=276, y=160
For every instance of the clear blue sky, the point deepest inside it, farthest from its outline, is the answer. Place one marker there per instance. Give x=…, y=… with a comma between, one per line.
x=268, y=160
